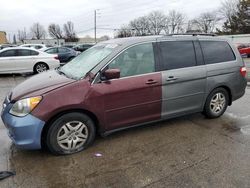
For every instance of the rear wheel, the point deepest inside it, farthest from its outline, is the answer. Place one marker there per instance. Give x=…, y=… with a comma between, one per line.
x=41, y=67
x=70, y=133
x=216, y=103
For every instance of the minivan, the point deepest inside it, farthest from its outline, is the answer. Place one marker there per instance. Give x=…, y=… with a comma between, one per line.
x=123, y=83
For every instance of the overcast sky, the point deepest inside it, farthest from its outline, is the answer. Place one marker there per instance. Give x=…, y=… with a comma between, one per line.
x=20, y=14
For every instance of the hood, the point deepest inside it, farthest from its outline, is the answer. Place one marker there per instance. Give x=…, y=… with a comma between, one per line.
x=39, y=84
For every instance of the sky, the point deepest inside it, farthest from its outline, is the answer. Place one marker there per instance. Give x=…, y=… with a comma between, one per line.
x=111, y=14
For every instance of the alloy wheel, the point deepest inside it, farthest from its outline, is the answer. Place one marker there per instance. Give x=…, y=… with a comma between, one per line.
x=217, y=103
x=41, y=68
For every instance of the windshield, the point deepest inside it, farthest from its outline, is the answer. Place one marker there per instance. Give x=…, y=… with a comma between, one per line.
x=82, y=64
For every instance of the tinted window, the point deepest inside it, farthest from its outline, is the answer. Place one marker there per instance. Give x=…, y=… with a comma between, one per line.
x=8, y=53
x=24, y=52
x=135, y=60
x=32, y=52
x=177, y=54
x=51, y=51
x=217, y=52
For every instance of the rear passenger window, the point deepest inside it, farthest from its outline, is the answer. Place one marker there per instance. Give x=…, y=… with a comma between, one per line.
x=177, y=54
x=24, y=52
x=217, y=52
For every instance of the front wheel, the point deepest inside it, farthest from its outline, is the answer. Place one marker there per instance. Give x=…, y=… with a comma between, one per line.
x=216, y=103
x=70, y=133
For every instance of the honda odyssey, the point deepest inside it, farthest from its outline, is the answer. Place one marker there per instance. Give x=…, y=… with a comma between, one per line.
x=124, y=83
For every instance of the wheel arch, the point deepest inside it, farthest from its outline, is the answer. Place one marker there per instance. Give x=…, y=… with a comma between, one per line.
x=227, y=88
x=54, y=117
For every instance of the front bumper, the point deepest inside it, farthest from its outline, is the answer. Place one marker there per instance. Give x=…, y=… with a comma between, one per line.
x=25, y=131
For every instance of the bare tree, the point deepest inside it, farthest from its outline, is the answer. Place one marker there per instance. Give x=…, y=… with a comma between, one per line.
x=55, y=31
x=37, y=31
x=175, y=22
x=228, y=9
x=70, y=34
x=21, y=35
x=124, y=31
x=206, y=22
x=157, y=22
x=192, y=27
x=140, y=26
x=14, y=39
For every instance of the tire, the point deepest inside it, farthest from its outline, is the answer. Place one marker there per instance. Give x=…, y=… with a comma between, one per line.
x=70, y=133
x=216, y=103
x=40, y=67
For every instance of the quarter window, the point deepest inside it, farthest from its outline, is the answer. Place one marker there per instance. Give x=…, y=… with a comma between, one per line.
x=177, y=54
x=135, y=60
x=217, y=52
x=32, y=52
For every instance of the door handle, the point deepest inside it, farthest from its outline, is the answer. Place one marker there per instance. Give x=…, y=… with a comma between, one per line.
x=151, y=81
x=172, y=78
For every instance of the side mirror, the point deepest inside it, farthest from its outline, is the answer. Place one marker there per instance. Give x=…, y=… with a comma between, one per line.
x=112, y=74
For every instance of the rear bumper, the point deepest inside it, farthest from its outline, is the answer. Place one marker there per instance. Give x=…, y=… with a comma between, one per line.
x=240, y=91
x=25, y=132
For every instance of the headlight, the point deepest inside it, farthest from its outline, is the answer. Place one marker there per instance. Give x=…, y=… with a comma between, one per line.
x=25, y=106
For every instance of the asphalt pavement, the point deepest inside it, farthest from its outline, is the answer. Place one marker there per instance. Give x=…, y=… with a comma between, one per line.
x=190, y=151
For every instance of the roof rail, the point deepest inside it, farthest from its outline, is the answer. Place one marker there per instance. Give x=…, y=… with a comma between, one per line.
x=193, y=34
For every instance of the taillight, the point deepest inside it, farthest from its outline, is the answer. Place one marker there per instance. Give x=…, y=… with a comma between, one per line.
x=56, y=57
x=243, y=71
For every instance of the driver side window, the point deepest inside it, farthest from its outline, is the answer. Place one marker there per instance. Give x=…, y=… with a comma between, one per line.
x=135, y=61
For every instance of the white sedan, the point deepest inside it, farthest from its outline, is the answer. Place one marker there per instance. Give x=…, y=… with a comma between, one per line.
x=23, y=60
x=40, y=47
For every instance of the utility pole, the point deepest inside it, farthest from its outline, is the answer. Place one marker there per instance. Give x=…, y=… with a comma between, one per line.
x=9, y=38
x=95, y=24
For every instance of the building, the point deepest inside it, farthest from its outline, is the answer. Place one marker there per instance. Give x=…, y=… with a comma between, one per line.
x=51, y=42
x=3, y=38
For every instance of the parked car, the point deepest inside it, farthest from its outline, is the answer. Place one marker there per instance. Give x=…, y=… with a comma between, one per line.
x=82, y=47
x=244, y=49
x=40, y=47
x=242, y=45
x=64, y=54
x=68, y=46
x=24, y=60
x=2, y=46
x=124, y=83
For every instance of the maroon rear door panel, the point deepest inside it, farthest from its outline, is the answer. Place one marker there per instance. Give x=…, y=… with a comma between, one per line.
x=129, y=101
